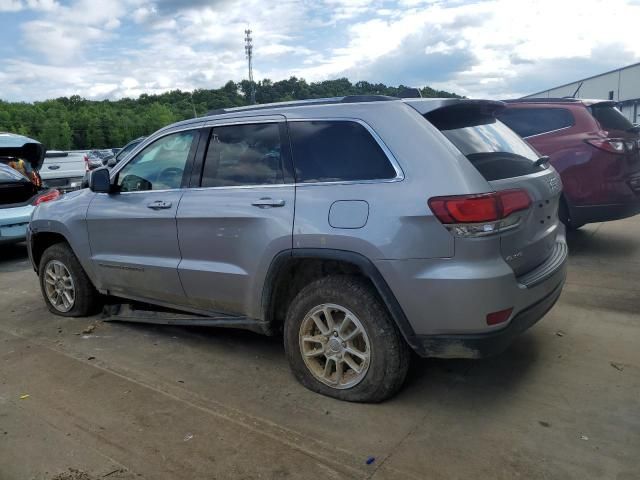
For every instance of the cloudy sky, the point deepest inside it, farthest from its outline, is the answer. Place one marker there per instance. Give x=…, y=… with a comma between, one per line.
x=493, y=48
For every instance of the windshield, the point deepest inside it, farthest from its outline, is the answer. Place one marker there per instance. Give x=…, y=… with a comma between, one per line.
x=610, y=118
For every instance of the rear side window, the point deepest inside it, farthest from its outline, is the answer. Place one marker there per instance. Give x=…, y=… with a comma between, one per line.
x=495, y=150
x=610, y=118
x=244, y=155
x=333, y=151
x=534, y=121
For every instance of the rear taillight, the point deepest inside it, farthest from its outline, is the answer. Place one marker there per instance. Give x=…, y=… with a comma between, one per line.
x=613, y=145
x=484, y=214
x=46, y=197
x=86, y=163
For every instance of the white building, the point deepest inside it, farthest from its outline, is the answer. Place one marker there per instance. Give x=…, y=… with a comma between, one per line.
x=621, y=85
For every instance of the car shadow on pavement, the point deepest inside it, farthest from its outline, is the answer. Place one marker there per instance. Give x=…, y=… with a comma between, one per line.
x=494, y=376
x=592, y=243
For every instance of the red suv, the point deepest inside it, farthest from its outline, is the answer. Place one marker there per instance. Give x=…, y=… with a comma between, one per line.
x=592, y=145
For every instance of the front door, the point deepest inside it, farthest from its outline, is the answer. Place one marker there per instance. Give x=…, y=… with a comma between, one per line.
x=239, y=216
x=132, y=232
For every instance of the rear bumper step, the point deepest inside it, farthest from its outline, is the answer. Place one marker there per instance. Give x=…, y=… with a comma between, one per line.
x=548, y=268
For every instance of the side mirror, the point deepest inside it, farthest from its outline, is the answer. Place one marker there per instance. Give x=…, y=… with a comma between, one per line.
x=99, y=180
x=112, y=162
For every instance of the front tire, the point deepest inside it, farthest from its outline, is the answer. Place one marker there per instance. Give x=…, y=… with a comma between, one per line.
x=341, y=341
x=66, y=288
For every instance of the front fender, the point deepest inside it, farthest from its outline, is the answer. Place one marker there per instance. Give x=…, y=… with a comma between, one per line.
x=67, y=217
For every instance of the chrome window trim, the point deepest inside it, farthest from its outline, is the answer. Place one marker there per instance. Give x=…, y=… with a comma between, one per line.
x=248, y=120
x=547, y=133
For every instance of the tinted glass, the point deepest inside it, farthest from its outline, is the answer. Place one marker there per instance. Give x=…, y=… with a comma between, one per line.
x=610, y=118
x=329, y=151
x=494, y=149
x=244, y=155
x=160, y=166
x=534, y=121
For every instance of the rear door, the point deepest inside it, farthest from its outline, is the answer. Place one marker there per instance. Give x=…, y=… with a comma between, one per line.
x=507, y=162
x=238, y=216
x=132, y=233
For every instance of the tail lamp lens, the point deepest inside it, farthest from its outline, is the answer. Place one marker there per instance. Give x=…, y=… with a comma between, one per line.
x=613, y=145
x=46, y=197
x=487, y=207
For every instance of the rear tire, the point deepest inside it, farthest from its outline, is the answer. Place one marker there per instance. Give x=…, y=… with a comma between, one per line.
x=360, y=357
x=66, y=288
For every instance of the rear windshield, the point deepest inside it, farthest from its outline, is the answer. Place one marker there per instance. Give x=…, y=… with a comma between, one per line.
x=494, y=149
x=610, y=118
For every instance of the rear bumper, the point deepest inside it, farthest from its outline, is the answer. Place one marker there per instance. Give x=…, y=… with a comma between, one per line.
x=446, y=301
x=604, y=213
x=485, y=344
x=14, y=223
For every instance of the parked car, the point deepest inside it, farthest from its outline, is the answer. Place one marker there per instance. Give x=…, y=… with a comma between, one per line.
x=20, y=185
x=63, y=170
x=361, y=227
x=124, y=151
x=592, y=145
x=98, y=158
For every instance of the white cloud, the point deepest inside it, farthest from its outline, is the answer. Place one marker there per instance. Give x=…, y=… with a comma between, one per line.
x=488, y=48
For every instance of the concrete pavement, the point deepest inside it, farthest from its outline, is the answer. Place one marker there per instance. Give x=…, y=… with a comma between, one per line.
x=137, y=401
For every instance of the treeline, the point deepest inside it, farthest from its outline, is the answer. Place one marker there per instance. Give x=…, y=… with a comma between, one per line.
x=69, y=123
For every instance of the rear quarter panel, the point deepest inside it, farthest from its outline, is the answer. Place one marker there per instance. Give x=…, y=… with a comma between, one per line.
x=400, y=224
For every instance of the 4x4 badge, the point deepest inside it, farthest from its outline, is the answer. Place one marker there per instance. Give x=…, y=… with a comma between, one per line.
x=554, y=184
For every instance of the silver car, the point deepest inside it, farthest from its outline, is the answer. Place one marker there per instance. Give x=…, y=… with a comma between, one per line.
x=360, y=227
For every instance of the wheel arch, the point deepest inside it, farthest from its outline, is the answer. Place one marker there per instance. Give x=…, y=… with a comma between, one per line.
x=292, y=269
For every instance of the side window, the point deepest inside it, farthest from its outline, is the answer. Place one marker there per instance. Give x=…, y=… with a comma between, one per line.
x=534, y=121
x=248, y=154
x=330, y=151
x=160, y=166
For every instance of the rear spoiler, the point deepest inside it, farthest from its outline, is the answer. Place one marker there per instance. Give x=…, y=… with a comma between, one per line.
x=453, y=113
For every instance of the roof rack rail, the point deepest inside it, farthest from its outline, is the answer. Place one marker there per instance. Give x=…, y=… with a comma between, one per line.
x=543, y=100
x=299, y=103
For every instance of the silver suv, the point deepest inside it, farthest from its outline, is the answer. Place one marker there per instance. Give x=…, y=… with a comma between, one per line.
x=360, y=227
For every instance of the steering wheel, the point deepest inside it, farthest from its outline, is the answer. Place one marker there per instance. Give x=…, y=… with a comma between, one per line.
x=169, y=176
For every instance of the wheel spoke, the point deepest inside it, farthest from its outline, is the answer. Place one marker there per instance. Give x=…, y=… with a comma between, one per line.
x=352, y=334
x=328, y=315
x=314, y=353
x=327, y=369
x=68, y=298
x=51, y=274
x=352, y=351
x=314, y=339
x=339, y=371
x=345, y=321
x=321, y=326
x=50, y=281
x=352, y=364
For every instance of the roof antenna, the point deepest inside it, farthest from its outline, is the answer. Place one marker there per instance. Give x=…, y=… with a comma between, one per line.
x=577, y=90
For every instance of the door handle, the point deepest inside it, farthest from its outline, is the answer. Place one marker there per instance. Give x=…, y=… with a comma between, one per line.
x=159, y=205
x=267, y=202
